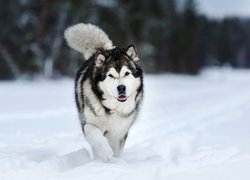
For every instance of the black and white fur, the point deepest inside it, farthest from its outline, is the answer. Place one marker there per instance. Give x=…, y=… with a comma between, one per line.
x=108, y=89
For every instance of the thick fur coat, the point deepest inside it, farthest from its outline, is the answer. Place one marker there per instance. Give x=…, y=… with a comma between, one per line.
x=108, y=89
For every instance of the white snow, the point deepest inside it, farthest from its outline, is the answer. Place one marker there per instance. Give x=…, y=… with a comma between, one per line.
x=189, y=128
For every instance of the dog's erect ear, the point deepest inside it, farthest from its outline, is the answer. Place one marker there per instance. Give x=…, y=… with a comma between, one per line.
x=100, y=59
x=131, y=52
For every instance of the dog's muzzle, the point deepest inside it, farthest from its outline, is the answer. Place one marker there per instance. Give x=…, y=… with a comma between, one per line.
x=121, y=93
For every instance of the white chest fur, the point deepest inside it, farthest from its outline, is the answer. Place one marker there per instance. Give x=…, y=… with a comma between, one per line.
x=114, y=122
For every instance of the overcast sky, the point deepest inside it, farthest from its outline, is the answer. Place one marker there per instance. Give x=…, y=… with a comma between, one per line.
x=222, y=8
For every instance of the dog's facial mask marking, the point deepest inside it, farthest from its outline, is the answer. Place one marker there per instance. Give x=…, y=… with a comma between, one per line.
x=118, y=85
x=119, y=68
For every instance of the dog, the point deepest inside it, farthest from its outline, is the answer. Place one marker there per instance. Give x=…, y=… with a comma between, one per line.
x=108, y=89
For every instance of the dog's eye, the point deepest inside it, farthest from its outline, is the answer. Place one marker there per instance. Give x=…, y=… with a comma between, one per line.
x=110, y=75
x=127, y=73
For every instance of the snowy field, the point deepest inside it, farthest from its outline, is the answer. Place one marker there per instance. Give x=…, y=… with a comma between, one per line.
x=194, y=128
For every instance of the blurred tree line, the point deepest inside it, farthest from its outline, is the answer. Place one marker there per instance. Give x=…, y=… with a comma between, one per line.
x=170, y=35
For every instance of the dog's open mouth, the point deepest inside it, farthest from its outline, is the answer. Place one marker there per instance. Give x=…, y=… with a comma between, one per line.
x=122, y=98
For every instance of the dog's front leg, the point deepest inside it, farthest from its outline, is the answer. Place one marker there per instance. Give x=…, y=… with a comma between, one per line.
x=98, y=142
x=117, y=143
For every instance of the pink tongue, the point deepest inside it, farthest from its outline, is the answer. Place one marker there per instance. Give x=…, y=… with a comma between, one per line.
x=122, y=97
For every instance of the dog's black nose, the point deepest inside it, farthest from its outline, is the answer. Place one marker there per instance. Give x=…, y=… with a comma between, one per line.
x=121, y=89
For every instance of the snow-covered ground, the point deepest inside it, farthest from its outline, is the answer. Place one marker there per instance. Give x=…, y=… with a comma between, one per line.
x=190, y=128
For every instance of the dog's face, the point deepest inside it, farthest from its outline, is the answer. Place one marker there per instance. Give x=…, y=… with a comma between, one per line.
x=117, y=71
x=119, y=84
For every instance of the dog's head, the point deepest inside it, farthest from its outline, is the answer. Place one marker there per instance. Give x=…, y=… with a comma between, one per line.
x=117, y=73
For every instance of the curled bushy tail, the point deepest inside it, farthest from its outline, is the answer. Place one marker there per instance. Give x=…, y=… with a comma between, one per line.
x=87, y=39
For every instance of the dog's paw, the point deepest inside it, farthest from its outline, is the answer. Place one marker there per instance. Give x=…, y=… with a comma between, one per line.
x=105, y=153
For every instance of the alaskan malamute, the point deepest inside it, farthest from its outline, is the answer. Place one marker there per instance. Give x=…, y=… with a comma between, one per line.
x=108, y=89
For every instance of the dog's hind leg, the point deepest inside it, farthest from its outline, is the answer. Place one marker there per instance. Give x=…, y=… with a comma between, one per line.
x=98, y=142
